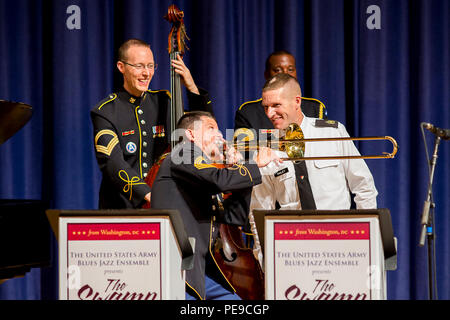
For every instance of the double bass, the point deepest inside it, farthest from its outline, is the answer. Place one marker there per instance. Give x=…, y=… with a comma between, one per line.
x=176, y=47
x=236, y=261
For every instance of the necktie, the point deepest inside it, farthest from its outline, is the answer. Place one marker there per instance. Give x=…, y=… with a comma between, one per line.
x=304, y=188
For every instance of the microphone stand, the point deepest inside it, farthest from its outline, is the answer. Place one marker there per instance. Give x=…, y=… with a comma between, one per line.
x=427, y=221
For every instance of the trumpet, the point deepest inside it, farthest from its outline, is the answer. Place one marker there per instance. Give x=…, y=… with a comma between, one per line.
x=294, y=146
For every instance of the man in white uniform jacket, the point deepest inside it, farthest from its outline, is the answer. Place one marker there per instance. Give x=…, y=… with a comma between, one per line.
x=330, y=180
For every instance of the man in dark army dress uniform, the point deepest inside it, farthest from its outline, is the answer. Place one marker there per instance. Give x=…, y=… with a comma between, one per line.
x=187, y=181
x=251, y=114
x=132, y=126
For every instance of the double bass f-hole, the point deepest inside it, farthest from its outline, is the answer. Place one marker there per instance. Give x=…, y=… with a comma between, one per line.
x=225, y=250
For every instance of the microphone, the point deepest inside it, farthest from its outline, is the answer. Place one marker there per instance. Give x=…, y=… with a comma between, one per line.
x=442, y=133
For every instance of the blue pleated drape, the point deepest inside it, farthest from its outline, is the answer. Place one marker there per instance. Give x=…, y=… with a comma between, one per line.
x=382, y=81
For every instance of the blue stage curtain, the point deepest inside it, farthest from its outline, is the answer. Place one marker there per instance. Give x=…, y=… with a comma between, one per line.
x=382, y=81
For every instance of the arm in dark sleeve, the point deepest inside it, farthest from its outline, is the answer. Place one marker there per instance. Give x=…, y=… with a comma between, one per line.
x=110, y=158
x=200, y=102
x=207, y=176
x=238, y=179
x=240, y=120
x=237, y=207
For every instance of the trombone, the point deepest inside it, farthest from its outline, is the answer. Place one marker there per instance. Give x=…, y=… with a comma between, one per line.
x=294, y=146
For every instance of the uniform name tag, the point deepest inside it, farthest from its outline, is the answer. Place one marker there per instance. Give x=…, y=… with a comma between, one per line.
x=281, y=172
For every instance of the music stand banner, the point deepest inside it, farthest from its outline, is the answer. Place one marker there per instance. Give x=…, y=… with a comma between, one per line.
x=327, y=259
x=111, y=259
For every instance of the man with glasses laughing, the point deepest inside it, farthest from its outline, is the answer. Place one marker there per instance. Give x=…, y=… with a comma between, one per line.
x=132, y=126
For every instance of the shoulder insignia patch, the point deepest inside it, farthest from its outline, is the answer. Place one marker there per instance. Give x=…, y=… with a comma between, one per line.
x=200, y=163
x=110, y=143
x=321, y=123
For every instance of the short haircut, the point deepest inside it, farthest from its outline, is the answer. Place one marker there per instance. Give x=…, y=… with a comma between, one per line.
x=188, y=119
x=281, y=80
x=276, y=53
x=122, y=52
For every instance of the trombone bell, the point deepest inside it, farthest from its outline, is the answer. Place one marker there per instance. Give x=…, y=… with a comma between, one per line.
x=294, y=149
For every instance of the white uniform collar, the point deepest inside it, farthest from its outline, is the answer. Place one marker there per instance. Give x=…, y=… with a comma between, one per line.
x=305, y=122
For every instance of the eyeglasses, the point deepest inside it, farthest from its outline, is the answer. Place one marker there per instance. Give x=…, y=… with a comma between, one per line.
x=140, y=67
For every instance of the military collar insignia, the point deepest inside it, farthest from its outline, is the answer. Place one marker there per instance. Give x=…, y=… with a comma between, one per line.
x=125, y=95
x=134, y=100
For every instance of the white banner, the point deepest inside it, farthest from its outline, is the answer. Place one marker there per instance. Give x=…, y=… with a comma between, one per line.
x=110, y=261
x=323, y=260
